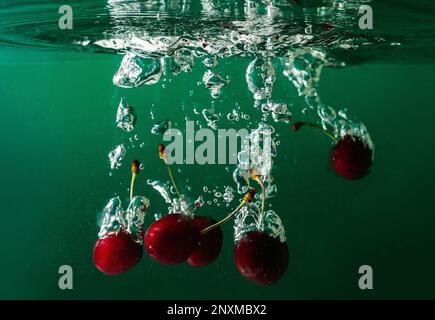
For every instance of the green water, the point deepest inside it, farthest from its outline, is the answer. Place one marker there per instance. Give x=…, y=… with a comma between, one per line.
x=58, y=111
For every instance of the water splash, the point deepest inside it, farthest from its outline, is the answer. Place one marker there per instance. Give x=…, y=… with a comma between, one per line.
x=273, y=226
x=271, y=190
x=228, y=195
x=279, y=111
x=184, y=58
x=125, y=116
x=116, y=156
x=182, y=205
x=210, y=62
x=256, y=156
x=161, y=127
x=112, y=218
x=214, y=82
x=251, y=219
x=266, y=32
x=135, y=215
x=218, y=28
x=245, y=221
x=211, y=117
x=260, y=77
x=135, y=71
x=303, y=68
x=241, y=179
x=234, y=115
x=162, y=189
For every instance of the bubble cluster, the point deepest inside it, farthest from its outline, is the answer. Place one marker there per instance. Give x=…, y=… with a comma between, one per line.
x=115, y=219
x=260, y=76
x=125, y=116
x=161, y=127
x=135, y=71
x=116, y=156
x=211, y=117
x=275, y=50
x=214, y=82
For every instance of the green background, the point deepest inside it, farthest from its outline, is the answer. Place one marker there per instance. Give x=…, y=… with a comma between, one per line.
x=58, y=124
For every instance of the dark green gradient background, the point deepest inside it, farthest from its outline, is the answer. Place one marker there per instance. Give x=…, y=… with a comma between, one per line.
x=58, y=113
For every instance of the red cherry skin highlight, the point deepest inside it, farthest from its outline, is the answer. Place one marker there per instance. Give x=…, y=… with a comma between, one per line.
x=116, y=253
x=171, y=239
x=351, y=157
x=208, y=246
x=261, y=258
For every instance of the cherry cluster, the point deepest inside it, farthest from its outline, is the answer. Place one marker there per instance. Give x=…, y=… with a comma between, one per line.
x=182, y=237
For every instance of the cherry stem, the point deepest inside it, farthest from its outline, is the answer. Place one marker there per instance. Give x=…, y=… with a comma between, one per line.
x=171, y=174
x=133, y=179
x=134, y=172
x=247, y=198
x=326, y=132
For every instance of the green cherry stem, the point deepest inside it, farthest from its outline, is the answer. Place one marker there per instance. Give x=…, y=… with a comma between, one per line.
x=171, y=174
x=297, y=125
x=246, y=198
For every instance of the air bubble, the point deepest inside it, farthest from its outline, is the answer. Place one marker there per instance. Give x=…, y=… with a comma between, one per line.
x=125, y=116
x=116, y=156
x=214, y=82
x=135, y=71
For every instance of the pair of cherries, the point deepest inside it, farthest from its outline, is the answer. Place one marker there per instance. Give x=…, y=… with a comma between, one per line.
x=351, y=157
x=177, y=238
x=172, y=239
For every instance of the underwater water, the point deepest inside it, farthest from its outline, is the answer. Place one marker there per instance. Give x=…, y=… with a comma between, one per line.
x=222, y=64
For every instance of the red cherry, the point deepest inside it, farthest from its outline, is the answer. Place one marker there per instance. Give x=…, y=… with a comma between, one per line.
x=208, y=246
x=261, y=258
x=171, y=239
x=351, y=157
x=116, y=253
